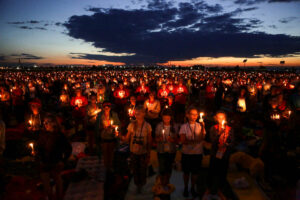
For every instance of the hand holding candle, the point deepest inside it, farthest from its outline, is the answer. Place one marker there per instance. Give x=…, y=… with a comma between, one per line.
x=31, y=145
x=201, y=117
x=223, y=124
x=30, y=122
x=116, y=131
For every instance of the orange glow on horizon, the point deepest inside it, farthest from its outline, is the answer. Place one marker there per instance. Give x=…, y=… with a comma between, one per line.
x=206, y=61
x=232, y=61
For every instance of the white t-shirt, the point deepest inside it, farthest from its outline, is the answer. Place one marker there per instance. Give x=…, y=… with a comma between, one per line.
x=191, y=132
x=139, y=137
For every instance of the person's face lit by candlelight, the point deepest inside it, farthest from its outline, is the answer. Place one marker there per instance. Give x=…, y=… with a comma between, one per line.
x=140, y=114
x=93, y=99
x=49, y=124
x=221, y=118
x=78, y=93
x=151, y=97
x=166, y=119
x=192, y=115
x=106, y=109
x=133, y=100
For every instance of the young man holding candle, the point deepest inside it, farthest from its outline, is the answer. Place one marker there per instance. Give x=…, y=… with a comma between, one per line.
x=140, y=140
x=192, y=136
x=105, y=137
x=221, y=142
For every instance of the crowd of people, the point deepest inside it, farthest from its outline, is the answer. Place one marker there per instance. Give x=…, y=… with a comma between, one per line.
x=194, y=112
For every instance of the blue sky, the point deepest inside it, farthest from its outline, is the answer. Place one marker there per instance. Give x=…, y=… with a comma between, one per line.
x=44, y=29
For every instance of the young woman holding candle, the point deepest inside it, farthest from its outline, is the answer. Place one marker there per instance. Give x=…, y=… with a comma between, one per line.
x=140, y=140
x=221, y=142
x=53, y=149
x=166, y=138
x=106, y=134
x=192, y=136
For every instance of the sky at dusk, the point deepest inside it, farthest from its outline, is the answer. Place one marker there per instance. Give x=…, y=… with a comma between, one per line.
x=185, y=32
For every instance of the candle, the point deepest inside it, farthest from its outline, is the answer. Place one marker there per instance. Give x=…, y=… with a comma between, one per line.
x=78, y=102
x=97, y=111
x=242, y=105
x=289, y=112
x=121, y=94
x=167, y=106
x=30, y=122
x=223, y=124
x=201, y=117
x=31, y=145
x=180, y=90
x=275, y=116
x=116, y=130
x=130, y=111
x=163, y=133
x=111, y=122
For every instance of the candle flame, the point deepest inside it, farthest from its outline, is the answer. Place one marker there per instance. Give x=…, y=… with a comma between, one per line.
x=30, y=145
x=30, y=122
x=223, y=124
x=275, y=116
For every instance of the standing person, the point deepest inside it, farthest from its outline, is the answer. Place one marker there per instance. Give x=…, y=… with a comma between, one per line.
x=106, y=133
x=91, y=116
x=152, y=107
x=34, y=120
x=166, y=138
x=221, y=140
x=53, y=149
x=140, y=140
x=192, y=136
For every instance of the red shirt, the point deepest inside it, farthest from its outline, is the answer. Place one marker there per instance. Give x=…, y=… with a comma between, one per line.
x=121, y=96
x=180, y=92
x=162, y=93
x=142, y=91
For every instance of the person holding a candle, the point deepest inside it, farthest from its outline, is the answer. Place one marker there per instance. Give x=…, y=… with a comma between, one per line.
x=105, y=134
x=79, y=103
x=166, y=138
x=34, y=119
x=129, y=110
x=221, y=142
x=139, y=138
x=91, y=116
x=152, y=107
x=192, y=135
x=52, y=151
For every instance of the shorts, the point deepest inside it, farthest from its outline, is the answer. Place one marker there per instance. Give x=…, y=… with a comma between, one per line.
x=165, y=161
x=191, y=163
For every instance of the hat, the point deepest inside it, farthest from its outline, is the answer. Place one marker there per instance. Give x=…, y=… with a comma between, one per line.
x=106, y=103
x=35, y=102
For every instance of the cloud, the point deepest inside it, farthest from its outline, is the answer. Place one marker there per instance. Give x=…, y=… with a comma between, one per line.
x=2, y=57
x=31, y=28
x=27, y=56
x=253, y=2
x=25, y=22
x=287, y=20
x=273, y=26
x=164, y=32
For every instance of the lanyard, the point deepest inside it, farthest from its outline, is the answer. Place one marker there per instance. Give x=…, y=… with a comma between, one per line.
x=140, y=130
x=193, y=132
x=164, y=135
